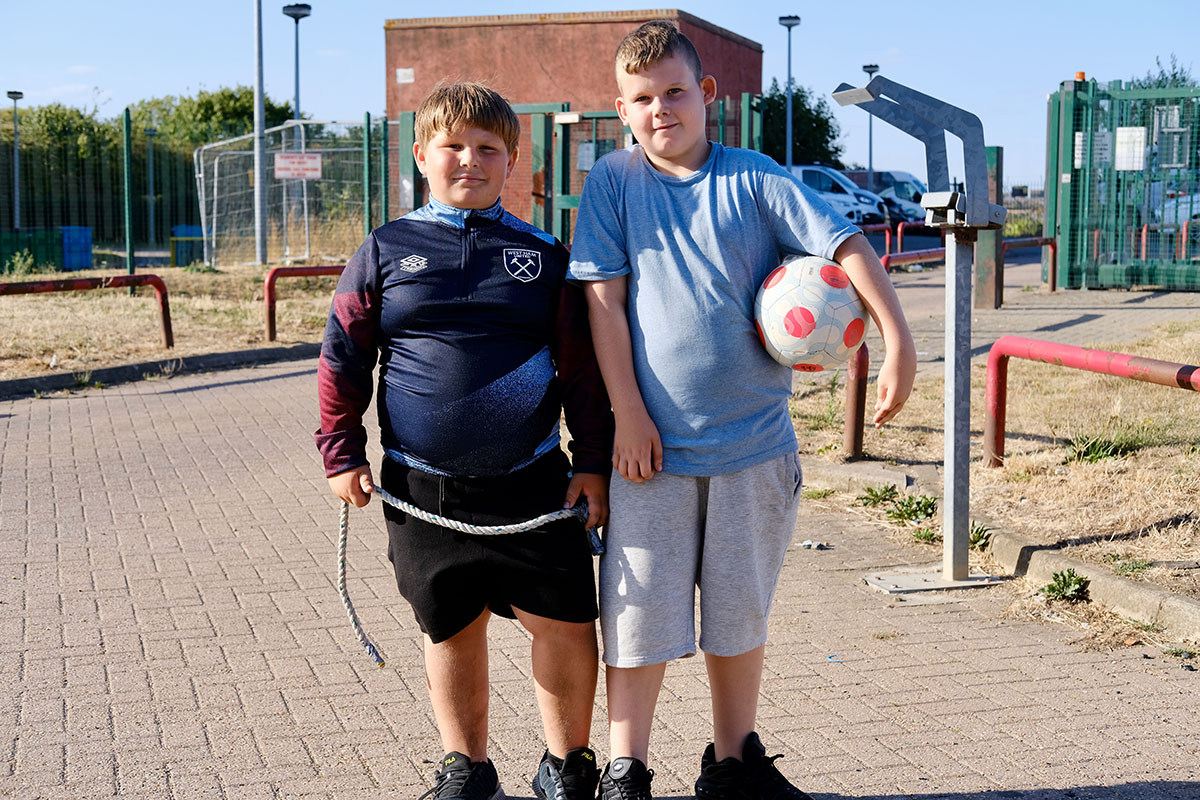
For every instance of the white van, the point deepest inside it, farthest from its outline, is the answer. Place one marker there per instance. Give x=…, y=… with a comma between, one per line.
x=869, y=207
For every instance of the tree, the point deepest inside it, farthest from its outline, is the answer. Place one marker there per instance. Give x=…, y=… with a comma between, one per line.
x=814, y=130
x=192, y=121
x=1173, y=76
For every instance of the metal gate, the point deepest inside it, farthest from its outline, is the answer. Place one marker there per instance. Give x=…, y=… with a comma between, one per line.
x=1122, y=179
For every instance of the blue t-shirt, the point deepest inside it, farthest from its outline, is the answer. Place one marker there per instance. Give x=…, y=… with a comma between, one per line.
x=697, y=249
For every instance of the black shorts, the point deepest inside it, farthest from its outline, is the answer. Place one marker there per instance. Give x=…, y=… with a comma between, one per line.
x=449, y=577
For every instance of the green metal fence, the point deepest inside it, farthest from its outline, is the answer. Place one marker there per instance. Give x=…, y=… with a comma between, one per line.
x=1122, y=184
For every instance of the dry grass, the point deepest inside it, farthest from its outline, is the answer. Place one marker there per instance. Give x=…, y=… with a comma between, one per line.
x=210, y=313
x=1136, y=514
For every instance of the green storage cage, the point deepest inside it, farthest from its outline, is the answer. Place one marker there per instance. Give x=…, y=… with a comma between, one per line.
x=1123, y=185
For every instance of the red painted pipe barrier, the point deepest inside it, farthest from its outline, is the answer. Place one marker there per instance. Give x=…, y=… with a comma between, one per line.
x=1181, y=249
x=913, y=257
x=290, y=272
x=1044, y=241
x=1145, y=233
x=900, y=227
x=856, y=402
x=113, y=282
x=887, y=234
x=1164, y=373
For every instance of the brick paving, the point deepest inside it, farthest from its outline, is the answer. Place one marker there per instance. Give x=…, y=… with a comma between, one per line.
x=171, y=629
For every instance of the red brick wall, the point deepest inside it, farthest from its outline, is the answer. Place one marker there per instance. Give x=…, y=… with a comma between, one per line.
x=542, y=58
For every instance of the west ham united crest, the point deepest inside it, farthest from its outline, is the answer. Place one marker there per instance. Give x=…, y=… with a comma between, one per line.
x=524, y=265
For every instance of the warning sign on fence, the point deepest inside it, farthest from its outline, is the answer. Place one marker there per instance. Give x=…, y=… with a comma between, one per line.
x=298, y=166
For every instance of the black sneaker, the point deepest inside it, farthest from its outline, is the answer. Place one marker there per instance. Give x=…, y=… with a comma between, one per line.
x=573, y=777
x=461, y=779
x=755, y=777
x=625, y=779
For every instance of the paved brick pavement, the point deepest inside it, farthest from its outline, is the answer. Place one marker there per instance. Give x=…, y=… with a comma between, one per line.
x=171, y=629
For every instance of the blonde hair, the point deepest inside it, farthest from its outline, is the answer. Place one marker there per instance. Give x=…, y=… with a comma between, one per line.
x=453, y=106
x=653, y=42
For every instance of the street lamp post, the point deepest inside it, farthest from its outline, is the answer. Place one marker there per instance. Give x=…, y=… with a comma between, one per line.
x=297, y=11
x=15, y=96
x=870, y=69
x=789, y=22
x=150, y=134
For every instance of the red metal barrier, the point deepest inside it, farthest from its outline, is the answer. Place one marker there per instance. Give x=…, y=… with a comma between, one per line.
x=290, y=272
x=112, y=282
x=1164, y=373
x=913, y=257
x=856, y=402
x=1182, y=251
x=887, y=234
x=1042, y=241
x=901, y=226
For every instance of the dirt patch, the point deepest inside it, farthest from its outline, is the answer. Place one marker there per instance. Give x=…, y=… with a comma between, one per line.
x=211, y=312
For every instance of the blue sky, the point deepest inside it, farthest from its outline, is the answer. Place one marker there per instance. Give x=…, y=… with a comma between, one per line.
x=998, y=60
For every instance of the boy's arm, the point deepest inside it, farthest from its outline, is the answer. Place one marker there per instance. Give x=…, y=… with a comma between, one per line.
x=585, y=406
x=862, y=265
x=345, y=373
x=637, y=448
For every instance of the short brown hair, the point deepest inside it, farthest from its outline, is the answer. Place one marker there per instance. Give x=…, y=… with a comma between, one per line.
x=452, y=106
x=653, y=42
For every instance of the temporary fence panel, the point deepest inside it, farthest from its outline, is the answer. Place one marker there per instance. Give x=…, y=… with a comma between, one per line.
x=1122, y=184
x=317, y=174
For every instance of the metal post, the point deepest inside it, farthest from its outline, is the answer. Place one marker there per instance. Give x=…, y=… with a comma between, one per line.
x=366, y=152
x=15, y=96
x=297, y=11
x=788, y=22
x=150, y=132
x=956, y=491
x=383, y=173
x=126, y=126
x=260, y=145
x=870, y=69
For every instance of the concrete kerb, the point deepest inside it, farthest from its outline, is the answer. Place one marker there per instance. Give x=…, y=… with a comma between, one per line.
x=129, y=373
x=1019, y=557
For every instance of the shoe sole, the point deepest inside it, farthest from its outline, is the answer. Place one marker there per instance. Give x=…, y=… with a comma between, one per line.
x=547, y=791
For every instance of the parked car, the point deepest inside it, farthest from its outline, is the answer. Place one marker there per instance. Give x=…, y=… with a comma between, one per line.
x=828, y=181
x=840, y=201
x=900, y=210
x=908, y=186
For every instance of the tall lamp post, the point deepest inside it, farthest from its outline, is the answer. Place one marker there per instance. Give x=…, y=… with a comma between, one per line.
x=150, y=134
x=870, y=69
x=789, y=22
x=15, y=96
x=297, y=11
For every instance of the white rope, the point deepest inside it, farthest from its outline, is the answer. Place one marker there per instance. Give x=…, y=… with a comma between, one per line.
x=579, y=512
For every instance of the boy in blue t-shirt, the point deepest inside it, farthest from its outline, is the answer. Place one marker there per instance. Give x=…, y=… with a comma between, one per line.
x=674, y=237
x=481, y=344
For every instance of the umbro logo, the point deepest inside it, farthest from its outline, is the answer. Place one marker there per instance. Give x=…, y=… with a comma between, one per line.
x=413, y=263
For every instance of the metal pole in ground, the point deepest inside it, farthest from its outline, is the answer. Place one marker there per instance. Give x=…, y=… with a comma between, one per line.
x=128, y=150
x=260, y=145
x=956, y=490
x=15, y=96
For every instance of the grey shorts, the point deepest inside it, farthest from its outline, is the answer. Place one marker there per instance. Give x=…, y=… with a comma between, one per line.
x=725, y=534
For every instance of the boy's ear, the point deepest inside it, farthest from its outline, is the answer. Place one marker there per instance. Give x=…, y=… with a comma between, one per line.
x=708, y=87
x=419, y=157
x=512, y=162
x=620, y=103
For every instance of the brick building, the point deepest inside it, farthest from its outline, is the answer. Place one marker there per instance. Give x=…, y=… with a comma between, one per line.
x=542, y=58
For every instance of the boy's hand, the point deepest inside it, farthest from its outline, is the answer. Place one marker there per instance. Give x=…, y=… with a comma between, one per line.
x=637, y=448
x=594, y=489
x=353, y=486
x=895, y=385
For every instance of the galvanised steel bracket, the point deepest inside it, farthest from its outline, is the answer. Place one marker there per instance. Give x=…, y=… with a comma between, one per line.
x=962, y=215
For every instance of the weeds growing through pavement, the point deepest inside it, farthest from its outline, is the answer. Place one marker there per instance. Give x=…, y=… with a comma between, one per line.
x=1067, y=585
x=878, y=495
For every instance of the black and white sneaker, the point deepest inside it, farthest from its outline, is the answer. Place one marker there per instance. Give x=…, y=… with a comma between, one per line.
x=459, y=778
x=755, y=777
x=625, y=779
x=573, y=777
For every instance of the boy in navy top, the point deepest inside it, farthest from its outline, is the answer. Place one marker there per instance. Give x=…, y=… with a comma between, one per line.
x=480, y=344
x=674, y=237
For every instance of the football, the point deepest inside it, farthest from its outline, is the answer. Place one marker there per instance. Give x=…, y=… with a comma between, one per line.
x=808, y=314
